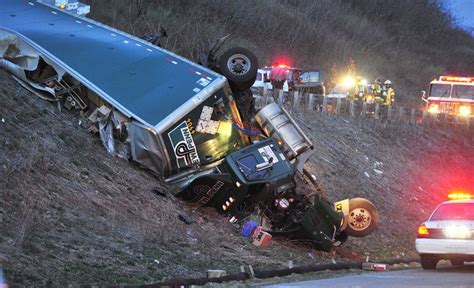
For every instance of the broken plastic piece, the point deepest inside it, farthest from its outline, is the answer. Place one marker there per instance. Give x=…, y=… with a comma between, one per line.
x=185, y=218
x=248, y=228
x=263, y=239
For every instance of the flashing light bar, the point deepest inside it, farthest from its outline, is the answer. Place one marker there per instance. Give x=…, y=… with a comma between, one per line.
x=456, y=79
x=283, y=66
x=459, y=196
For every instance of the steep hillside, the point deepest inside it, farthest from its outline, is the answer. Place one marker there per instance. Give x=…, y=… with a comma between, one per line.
x=408, y=42
x=72, y=214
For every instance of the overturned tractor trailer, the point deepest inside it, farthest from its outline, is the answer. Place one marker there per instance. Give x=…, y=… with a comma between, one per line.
x=180, y=120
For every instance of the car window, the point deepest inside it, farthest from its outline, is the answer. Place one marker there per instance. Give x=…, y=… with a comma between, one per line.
x=454, y=211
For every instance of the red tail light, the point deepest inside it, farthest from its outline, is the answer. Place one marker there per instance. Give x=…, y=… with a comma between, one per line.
x=423, y=232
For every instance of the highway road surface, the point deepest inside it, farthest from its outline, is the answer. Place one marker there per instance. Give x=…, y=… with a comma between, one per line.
x=445, y=276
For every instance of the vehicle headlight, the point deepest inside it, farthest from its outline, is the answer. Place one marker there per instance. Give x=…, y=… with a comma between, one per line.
x=457, y=232
x=464, y=111
x=433, y=108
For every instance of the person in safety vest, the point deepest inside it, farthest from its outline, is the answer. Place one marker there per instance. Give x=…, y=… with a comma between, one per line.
x=377, y=89
x=389, y=93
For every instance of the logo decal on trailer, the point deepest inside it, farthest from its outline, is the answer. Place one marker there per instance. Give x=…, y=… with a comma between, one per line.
x=183, y=145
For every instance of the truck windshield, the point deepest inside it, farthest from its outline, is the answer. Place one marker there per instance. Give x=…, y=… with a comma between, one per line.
x=454, y=211
x=463, y=91
x=310, y=77
x=440, y=90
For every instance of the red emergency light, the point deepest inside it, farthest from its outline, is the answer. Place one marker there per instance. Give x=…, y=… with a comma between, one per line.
x=456, y=79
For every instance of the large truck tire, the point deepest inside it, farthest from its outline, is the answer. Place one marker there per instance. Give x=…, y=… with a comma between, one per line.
x=362, y=218
x=239, y=66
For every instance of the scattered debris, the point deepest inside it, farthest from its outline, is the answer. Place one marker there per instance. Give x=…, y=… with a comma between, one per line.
x=374, y=266
x=185, y=218
x=249, y=228
x=158, y=192
x=378, y=171
x=215, y=273
x=378, y=164
x=247, y=269
x=3, y=120
x=190, y=236
x=261, y=238
x=367, y=256
x=366, y=174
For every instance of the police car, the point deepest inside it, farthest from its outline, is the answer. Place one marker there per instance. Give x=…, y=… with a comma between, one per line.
x=449, y=233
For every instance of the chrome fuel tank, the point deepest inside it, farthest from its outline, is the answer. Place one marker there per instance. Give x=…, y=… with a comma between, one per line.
x=278, y=124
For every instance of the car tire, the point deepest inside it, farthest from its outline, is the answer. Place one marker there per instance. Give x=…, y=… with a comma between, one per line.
x=428, y=262
x=239, y=66
x=362, y=218
x=457, y=262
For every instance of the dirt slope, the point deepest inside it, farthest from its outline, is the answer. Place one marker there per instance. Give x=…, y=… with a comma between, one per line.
x=72, y=214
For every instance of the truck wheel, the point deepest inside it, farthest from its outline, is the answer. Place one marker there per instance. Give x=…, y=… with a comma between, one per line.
x=362, y=218
x=428, y=262
x=239, y=66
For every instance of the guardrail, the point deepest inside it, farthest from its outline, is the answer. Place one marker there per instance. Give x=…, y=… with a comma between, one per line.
x=334, y=107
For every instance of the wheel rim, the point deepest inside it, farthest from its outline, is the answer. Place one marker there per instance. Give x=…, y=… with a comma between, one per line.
x=360, y=219
x=238, y=64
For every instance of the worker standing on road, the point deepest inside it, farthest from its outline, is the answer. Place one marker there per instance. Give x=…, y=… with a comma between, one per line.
x=377, y=89
x=389, y=93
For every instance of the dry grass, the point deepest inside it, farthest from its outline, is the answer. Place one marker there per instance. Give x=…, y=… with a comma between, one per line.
x=405, y=41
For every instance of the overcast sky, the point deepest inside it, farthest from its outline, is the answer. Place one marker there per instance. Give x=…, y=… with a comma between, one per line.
x=463, y=10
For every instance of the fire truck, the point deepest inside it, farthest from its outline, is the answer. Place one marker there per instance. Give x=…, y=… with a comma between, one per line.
x=450, y=95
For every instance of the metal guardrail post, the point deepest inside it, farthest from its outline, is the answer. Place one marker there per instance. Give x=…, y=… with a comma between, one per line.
x=265, y=95
x=338, y=106
x=377, y=110
x=401, y=114
x=364, y=109
x=352, y=108
x=275, y=95
x=389, y=112
x=311, y=102
x=412, y=117
x=296, y=99
x=424, y=118
x=281, y=97
x=325, y=105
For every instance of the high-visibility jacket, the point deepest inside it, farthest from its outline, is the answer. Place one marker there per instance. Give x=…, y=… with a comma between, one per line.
x=377, y=89
x=390, y=96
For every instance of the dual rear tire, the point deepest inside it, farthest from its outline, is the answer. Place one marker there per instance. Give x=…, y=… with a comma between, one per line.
x=239, y=66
